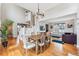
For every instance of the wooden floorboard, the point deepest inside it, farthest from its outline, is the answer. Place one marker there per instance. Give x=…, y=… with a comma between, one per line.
x=52, y=50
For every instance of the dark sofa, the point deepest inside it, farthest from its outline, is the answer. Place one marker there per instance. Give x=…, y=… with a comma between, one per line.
x=69, y=38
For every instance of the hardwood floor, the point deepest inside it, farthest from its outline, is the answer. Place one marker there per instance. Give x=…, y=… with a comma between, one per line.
x=52, y=50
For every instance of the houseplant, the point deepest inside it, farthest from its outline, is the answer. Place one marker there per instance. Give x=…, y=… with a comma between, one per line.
x=4, y=30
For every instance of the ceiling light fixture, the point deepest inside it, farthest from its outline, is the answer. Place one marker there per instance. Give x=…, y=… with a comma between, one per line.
x=39, y=12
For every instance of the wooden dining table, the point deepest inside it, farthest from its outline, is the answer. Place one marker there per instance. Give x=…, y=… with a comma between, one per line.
x=36, y=39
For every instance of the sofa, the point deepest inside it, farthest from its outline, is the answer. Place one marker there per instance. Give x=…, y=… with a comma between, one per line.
x=69, y=38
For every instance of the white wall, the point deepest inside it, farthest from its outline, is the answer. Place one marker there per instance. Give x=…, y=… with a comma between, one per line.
x=0, y=14
x=77, y=32
x=63, y=19
x=77, y=26
x=0, y=10
x=15, y=13
x=0, y=21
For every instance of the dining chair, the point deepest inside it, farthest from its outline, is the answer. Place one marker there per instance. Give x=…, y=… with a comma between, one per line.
x=28, y=46
x=47, y=42
x=41, y=45
x=42, y=41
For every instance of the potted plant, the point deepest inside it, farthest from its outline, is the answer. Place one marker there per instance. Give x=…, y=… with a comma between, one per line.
x=4, y=30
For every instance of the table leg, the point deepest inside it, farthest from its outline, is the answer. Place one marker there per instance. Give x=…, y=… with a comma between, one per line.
x=36, y=47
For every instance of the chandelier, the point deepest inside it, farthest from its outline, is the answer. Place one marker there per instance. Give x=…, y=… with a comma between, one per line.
x=39, y=12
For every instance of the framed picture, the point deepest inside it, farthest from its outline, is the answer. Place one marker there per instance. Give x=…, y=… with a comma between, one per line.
x=69, y=25
x=42, y=28
x=51, y=26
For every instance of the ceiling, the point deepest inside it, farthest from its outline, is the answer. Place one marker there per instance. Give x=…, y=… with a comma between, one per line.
x=34, y=6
